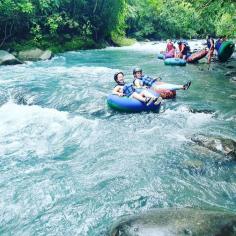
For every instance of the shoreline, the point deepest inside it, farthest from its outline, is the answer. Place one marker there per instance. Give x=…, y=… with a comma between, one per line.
x=78, y=43
x=26, y=51
x=60, y=46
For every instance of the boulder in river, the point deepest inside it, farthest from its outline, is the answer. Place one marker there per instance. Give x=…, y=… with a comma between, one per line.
x=205, y=111
x=233, y=96
x=233, y=79
x=177, y=222
x=230, y=73
x=217, y=144
x=35, y=54
x=8, y=59
x=230, y=66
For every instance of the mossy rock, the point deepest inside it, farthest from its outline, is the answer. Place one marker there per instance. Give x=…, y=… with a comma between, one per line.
x=35, y=54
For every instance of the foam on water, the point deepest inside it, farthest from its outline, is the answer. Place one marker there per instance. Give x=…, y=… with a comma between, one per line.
x=32, y=129
x=191, y=120
x=147, y=47
x=58, y=69
x=155, y=46
x=70, y=165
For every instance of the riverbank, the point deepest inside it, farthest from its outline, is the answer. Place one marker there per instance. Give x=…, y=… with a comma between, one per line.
x=66, y=43
x=31, y=50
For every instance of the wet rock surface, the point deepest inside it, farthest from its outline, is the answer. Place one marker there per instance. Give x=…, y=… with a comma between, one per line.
x=194, y=166
x=205, y=111
x=233, y=96
x=230, y=73
x=35, y=55
x=233, y=79
x=217, y=144
x=173, y=222
x=8, y=59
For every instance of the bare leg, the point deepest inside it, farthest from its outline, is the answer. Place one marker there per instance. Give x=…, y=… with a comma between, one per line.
x=167, y=86
x=210, y=54
x=151, y=98
x=145, y=93
x=209, y=58
x=138, y=96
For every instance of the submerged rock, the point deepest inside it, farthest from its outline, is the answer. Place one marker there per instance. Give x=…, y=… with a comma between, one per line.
x=194, y=166
x=8, y=59
x=230, y=73
x=217, y=144
x=233, y=96
x=206, y=111
x=173, y=222
x=20, y=99
x=230, y=66
x=35, y=55
x=233, y=79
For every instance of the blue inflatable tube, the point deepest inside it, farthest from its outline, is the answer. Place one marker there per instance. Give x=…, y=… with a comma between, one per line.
x=127, y=104
x=175, y=62
x=160, y=56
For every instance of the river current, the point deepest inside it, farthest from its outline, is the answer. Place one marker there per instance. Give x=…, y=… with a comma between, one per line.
x=69, y=165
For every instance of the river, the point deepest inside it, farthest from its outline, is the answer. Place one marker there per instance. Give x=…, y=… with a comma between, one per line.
x=69, y=165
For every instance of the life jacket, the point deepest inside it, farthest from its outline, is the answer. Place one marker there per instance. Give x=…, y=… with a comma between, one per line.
x=148, y=81
x=128, y=90
x=209, y=43
x=218, y=44
x=180, y=46
x=187, y=47
x=185, y=50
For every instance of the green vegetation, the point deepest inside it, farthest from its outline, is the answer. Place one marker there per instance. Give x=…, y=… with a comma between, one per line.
x=121, y=40
x=60, y=24
x=158, y=19
x=81, y=24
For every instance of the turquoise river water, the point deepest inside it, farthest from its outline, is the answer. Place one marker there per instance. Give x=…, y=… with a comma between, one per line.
x=69, y=165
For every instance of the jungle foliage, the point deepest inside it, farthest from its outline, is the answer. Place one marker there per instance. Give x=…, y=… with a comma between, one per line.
x=158, y=19
x=75, y=24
